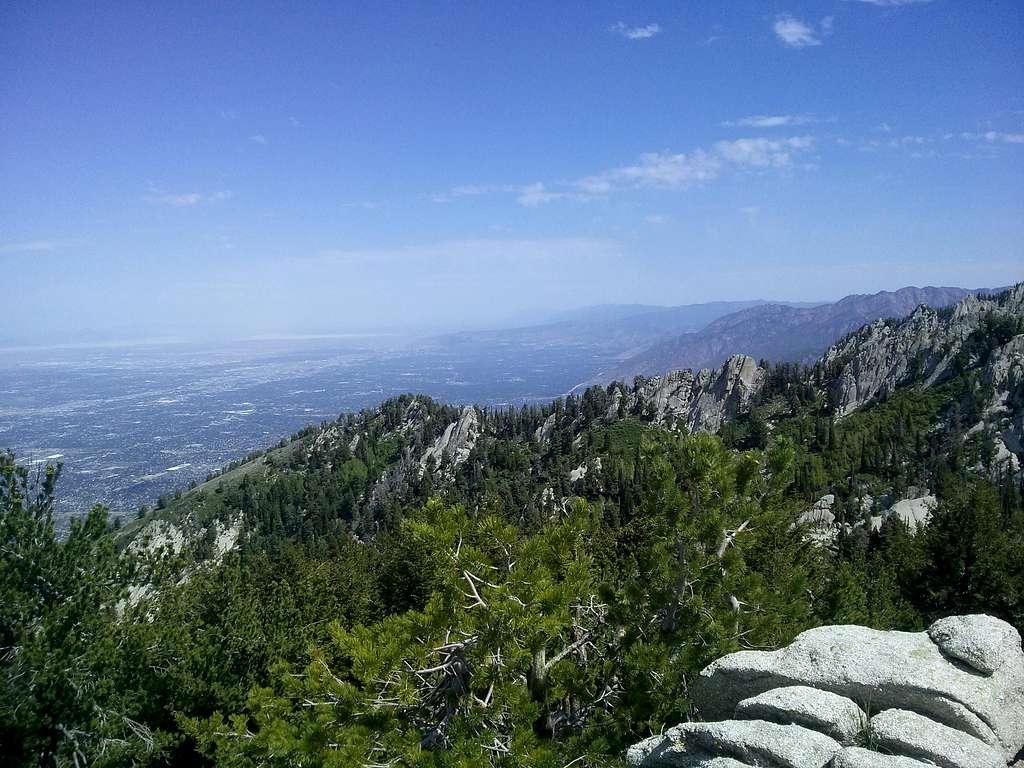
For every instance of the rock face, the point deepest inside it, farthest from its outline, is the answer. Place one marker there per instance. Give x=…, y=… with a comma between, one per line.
x=881, y=356
x=952, y=696
x=858, y=757
x=700, y=401
x=980, y=641
x=823, y=528
x=830, y=713
x=914, y=512
x=909, y=733
x=754, y=742
x=455, y=443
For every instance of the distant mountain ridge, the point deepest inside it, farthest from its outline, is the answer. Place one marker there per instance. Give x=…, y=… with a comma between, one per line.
x=621, y=329
x=780, y=332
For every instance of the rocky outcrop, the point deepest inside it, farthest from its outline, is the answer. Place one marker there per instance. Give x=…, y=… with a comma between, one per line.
x=581, y=471
x=908, y=733
x=952, y=696
x=858, y=757
x=982, y=642
x=456, y=442
x=543, y=433
x=878, y=358
x=830, y=713
x=159, y=535
x=915, y=512
x=700, y=401
x=754, y=742
x=1004, y=414
x=823, y=528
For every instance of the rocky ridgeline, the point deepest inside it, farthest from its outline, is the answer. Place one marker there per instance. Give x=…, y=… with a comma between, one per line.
x=853, y=697
x=699, y=401
x=881, y=356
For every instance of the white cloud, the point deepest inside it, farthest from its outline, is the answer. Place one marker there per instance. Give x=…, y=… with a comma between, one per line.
x=668, y=171
x=31, y=246
x=594, y=186
x=994, y=137
x=773, y=121
x=656, y=218
x=921, y=146
x=763, y=153
x=186, y=199
x=653, y=170
x=671, y=171
x=258, y=138
x=468, y=190
x=635, y=33
x=366, y=205
x=533, y=195
x=891, y=3
x=796, y=34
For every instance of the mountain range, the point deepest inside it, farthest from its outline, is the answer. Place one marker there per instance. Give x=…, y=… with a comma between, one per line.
x=777, y=332
x=621, y=329
x=412, y=446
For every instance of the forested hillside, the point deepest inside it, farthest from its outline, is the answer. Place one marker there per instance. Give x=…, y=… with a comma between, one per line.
x=423, y=584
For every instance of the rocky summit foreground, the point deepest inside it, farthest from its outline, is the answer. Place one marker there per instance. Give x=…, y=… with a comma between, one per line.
x=853, y=697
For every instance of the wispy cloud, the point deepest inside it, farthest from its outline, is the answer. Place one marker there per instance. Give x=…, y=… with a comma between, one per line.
x=635, y=33
x=794, y=33
x=366, y=205
x=654, y=170
x=658, y=170
x=185, y=199
x=890, y=3
x=995, y=137
x=33, y=246
x=764, y=153
x=468, y=190
x=676, y=171
x=919, y=146
x=258, y=138
x=775, y=121
x=461, y=252
x=533, y=195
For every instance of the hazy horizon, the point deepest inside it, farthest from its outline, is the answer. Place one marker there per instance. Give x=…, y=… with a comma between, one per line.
x=90, y=339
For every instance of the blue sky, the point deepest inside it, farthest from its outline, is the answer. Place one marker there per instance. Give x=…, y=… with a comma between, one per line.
x=245, y=168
